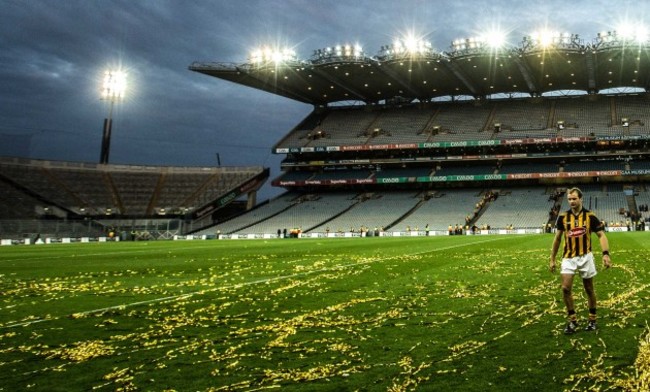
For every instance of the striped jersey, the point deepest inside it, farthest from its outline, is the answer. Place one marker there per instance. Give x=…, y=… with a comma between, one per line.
x=577, y=230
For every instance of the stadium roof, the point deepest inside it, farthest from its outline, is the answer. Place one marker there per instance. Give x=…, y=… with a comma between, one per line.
x=469, y=69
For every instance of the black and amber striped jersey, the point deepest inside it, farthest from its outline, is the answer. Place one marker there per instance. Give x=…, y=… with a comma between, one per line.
x=577, y=230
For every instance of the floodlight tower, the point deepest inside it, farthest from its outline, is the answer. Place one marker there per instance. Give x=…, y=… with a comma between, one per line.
x=112, y=91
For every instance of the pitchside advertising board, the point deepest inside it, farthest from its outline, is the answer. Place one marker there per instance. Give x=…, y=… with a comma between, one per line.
x=458, y=178
x=466, y=143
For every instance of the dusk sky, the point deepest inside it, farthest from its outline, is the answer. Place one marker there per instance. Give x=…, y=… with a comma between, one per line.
x=53, y=55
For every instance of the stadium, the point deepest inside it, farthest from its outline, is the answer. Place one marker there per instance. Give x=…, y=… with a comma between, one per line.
x=387, y=262
x=482, y=137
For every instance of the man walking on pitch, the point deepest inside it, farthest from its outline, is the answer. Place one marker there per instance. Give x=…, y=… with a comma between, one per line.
x=576, y=225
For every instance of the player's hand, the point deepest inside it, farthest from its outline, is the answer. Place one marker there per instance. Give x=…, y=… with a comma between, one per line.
x=607, y=261
x=551, y=265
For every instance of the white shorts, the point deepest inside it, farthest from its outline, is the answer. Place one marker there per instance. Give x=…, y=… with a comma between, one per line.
x=584, y=264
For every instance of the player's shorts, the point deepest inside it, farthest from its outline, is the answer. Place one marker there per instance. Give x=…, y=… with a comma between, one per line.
x=584, y=265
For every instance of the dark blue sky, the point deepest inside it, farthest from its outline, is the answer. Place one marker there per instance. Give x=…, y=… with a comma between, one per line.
x=53, y=55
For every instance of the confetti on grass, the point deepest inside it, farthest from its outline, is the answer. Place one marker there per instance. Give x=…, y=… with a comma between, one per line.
x=391, y=315
x=81, y=351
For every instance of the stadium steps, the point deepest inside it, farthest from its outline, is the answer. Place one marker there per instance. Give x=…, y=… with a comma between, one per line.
x=557, y=206
x=431, y=123
x=30, y=193
x=54, y=179
x=489, y=122
x=550, y=124
x=262, y=219
x=115, y=195
x=407, y=213
x=331, y=218
x=309, y=123
x=193, y=198
x=478, y=214
x=369, y=129
x=631, y=201
x=156, y=193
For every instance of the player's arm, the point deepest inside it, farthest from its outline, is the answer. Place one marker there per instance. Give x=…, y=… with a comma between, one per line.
x=604, y=246
x=556, y=246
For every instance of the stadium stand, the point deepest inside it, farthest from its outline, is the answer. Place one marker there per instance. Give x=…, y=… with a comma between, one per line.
x=344, y=127
x=608, y=202
x=522, y=116
x=304, y=213
x=642, y=201
x=463, y=119
x=15, y=204
x=581, y=116
x=402, y=125
x=70, y=197
x=257, y=215
x=443, y=208
x=584, y=116
x=372, y=210
x=520, y=208
x=449, y=140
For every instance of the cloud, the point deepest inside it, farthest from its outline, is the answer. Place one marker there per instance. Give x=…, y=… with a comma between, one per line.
x=53, y=54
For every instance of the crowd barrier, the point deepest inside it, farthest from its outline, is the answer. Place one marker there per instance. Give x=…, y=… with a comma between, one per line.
x=268, y=236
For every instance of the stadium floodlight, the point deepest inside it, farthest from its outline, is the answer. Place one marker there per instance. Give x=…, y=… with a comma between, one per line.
x=267, y=55
x=628, y=32
x=407, y=46
x=413, y=45
x=338, y=53
x=113, y=90
x=114, y=85
x=494, y=39
x=468, y=45
x=544, y=39
x=625, y=34
x=607, y=36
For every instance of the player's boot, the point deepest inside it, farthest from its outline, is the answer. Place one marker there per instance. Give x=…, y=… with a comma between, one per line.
x=571, y=327
x=591, y=326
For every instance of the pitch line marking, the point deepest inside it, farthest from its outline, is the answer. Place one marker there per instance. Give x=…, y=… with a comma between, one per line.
x=240, y=285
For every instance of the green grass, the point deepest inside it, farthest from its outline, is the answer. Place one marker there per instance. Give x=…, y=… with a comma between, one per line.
x=366, y=314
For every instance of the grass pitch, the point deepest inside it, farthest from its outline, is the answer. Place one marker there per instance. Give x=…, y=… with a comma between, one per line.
x=366, y=314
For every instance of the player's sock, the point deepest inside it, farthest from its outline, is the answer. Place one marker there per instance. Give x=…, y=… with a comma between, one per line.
x=572, y=315
x=592, y=314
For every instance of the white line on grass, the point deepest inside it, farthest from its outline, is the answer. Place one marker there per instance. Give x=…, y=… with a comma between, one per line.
x=251, y=283
x=119, y=252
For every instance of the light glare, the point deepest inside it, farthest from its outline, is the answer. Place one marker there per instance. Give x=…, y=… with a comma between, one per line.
x=494, y=38
x=629, y=32
x=114, y=85
x=268, y=54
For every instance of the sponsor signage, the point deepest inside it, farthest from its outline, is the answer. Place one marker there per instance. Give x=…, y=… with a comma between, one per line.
x=520, y=176
x=636, y=172
x=458, y=178
x=390, y=180
x=454, y=144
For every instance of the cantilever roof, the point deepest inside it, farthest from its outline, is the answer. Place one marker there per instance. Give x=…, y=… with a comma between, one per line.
x=590, y=68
